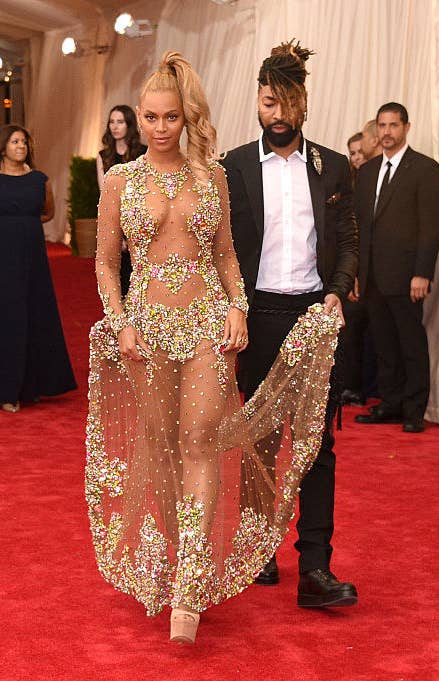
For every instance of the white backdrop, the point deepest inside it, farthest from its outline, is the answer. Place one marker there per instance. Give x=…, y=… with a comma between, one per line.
x=67, y=99
x=367, y=52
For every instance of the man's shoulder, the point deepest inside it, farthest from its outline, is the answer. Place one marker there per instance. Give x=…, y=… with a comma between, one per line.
x=241, y=154
x=420, y=159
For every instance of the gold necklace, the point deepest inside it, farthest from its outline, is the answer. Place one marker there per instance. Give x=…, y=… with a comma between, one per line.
x=169, y=183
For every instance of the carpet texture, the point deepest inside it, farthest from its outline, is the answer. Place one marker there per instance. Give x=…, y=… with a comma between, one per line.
x=61, y=621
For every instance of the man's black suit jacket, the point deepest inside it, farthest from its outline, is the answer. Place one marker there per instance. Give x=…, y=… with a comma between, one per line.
x=331, y=195
x=402, y=239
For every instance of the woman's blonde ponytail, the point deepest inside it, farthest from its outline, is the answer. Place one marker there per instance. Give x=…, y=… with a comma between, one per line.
x=176, y=73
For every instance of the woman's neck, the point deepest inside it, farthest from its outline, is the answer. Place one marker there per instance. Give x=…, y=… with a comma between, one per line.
x=167, y=161
x=121, y=146
x=9, y=167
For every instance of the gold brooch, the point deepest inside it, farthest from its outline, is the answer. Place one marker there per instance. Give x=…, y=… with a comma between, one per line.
x=316, y=160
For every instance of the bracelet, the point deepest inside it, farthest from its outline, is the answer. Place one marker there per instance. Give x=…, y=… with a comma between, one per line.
x=240, y=302
x=118, y=321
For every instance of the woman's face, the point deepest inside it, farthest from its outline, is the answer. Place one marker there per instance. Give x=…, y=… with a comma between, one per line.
x=161, y=118
x=117, y=125
x=16, y=147
x=356, y=154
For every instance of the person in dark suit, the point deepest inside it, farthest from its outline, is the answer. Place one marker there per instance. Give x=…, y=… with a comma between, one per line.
x=295, y=238
x=358, y=356
x=397, y=207
x=370, y=143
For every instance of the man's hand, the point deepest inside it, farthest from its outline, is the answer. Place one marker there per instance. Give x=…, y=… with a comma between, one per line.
x=354, y=295
x=331, y=301
x=419, y=288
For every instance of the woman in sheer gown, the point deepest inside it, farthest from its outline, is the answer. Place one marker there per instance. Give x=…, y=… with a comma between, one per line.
x=183, y=510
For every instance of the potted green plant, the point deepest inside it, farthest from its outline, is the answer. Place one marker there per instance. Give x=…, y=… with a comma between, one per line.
x=82, y=202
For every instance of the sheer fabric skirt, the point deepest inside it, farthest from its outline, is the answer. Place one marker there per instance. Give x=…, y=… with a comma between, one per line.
x=189, y=493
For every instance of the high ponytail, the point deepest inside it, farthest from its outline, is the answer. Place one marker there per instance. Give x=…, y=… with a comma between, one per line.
x=175, y=73
x=285, y=72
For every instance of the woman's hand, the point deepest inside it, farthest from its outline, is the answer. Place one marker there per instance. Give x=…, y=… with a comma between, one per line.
x=235, y=331
x=129, y=339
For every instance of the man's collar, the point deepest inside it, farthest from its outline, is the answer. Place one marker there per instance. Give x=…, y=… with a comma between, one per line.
x=396, y=158
x=265, y=151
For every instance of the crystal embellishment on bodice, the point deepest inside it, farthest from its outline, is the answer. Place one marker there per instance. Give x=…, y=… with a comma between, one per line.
x=174, y=272
x=169, y=183
x=173, y=224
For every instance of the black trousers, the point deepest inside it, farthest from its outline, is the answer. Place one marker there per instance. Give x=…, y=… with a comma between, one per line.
x=402, y=351
x=358, y=358
x=271, y=317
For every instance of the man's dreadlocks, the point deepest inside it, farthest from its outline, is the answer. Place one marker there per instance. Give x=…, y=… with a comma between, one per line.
x=284, y=71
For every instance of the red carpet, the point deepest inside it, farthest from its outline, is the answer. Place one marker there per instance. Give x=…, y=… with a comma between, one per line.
x=61, y=621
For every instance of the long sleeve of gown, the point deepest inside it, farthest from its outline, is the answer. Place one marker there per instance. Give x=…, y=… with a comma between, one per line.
x=109, y=239
x=224, y=255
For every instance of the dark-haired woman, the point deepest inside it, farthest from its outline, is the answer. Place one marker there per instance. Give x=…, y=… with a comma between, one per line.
x=122, y=143
x=33, y=354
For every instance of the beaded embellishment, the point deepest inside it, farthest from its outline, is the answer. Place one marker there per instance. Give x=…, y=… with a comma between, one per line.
x=174, y=328
x=160, y=569
x=240, y=302
x=170, y=184
x=174, y=272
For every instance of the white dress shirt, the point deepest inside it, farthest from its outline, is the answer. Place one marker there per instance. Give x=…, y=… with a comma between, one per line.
x=394, y=161
x=288, y=259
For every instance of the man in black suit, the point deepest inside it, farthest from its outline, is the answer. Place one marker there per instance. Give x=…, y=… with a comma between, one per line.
x=397, y=207
x=294, y=234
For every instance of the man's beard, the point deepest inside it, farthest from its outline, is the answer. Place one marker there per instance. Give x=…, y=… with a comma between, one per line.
x=279, y=139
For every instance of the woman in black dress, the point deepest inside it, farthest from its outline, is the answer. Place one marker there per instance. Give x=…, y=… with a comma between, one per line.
x=122, y=144
x=33, y=354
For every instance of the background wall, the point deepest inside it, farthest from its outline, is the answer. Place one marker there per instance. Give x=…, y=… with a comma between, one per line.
x=68, y=98
x=367, y=52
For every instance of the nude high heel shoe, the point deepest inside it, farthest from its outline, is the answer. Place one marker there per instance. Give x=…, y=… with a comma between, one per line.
x=12, y=408
x=184, y=625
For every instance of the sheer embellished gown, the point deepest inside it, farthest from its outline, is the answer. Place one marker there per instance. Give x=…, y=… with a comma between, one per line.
x=33, y=354
x=184, y=504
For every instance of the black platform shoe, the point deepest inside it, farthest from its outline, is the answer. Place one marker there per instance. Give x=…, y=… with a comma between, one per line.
x=320, y=588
